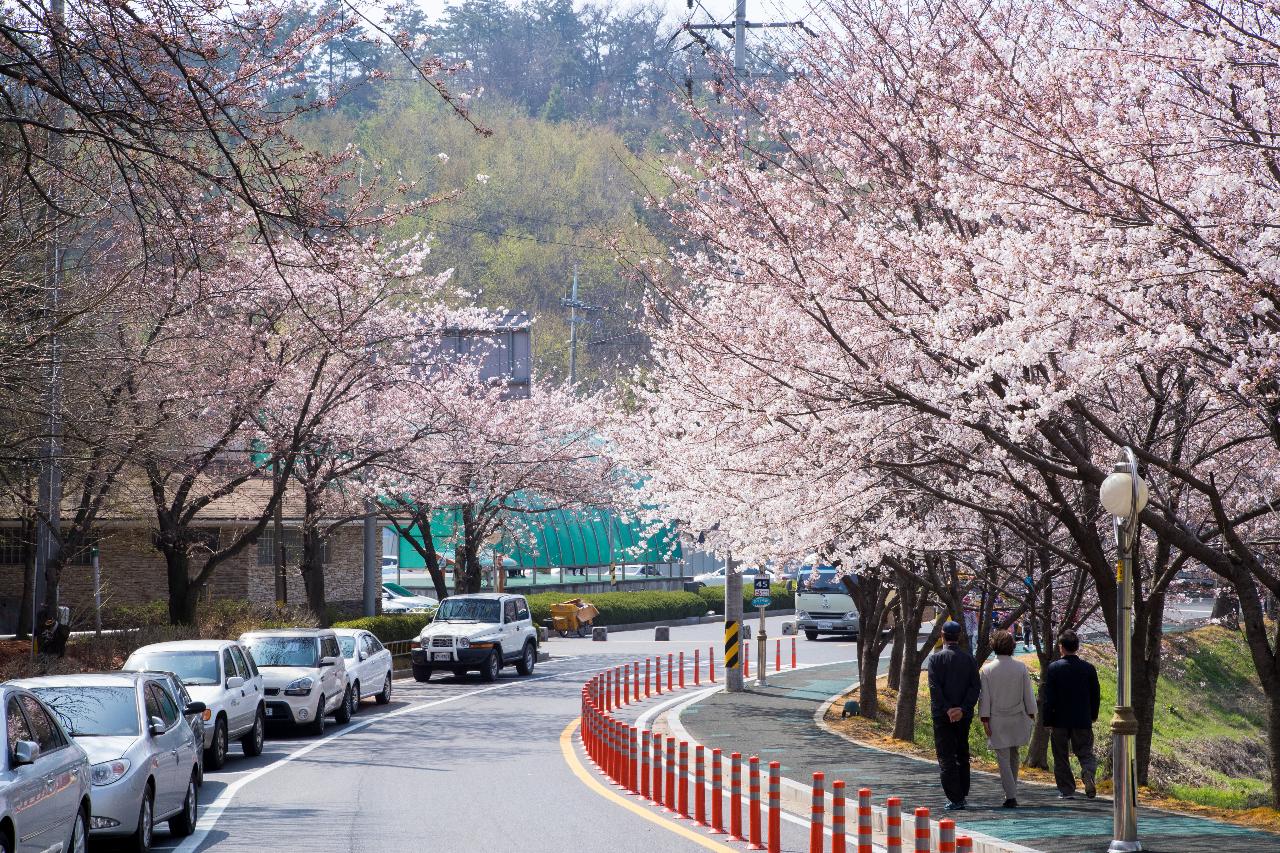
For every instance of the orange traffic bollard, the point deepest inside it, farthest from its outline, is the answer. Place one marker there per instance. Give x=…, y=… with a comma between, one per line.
x=893, y=825
x=923, y=833
x=646, y=745
x=655, y=789
x=717, y=791
x=626, y=685
x=671, y=774
x=735, y=796
x=946, y=836
x=775, y=807
x=682, y=670
x=711, y=664
x=838, y=831
x=671, y=667
x=697, y=668
x=777, y=656
x=864, y=820
x=964, y=844
x=793, y=652
x=684, y=779
x=700, y=784
x=753, y=797
x=816, y=811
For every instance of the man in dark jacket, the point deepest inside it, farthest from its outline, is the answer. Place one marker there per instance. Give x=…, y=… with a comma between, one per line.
x=1071, y=700
x=953, y=693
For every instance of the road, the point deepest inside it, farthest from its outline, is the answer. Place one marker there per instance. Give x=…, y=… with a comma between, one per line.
x=456, y=765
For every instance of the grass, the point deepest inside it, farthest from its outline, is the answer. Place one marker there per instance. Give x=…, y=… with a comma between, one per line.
x=1209, y=750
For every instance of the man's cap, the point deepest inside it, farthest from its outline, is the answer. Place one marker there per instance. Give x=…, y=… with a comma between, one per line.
x=951, y=630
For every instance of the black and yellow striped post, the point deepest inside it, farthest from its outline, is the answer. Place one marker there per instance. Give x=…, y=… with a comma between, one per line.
x=732, y=645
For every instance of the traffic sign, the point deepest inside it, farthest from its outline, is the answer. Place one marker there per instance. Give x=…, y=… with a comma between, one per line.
x=763, y=597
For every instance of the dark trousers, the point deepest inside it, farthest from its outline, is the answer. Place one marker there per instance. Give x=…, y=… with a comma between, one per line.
x=952, y=743
x=1079, y=741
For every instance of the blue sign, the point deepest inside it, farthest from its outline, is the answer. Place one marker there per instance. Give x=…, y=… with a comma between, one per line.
x=761, y=601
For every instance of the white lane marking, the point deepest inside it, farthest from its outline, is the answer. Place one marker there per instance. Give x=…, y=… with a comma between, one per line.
x=222, y=802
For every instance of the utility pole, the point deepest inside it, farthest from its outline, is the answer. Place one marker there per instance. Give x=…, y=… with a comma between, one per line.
x=49, y=488
x=574, y=304
x=739, y=33
x=733, y=647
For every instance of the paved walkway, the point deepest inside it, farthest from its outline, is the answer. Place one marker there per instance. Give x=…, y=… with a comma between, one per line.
x=776, y=723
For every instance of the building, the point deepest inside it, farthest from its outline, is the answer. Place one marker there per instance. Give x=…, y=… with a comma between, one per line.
x=504, y=351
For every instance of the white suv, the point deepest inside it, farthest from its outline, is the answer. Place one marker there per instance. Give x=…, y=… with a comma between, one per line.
x=303, y=674
x=477, y=632
x=222, y=675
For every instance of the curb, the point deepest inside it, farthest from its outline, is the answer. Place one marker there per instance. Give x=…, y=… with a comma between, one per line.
x=797, y=798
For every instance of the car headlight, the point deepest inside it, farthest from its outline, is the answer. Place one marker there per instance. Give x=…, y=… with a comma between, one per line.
x=424, y=642
x=463, y=643
x=299, y=687
x=852, y=614
x=802, y=614
x=108, y=771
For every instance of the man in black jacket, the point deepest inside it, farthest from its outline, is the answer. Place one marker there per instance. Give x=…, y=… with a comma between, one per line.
x=1071, y=700
x=953, y=693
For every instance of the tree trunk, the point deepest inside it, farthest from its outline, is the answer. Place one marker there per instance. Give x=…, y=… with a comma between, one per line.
x=312, y=567
x=1038, y=751
x=895, y=654
x=28, y=578
x=466, y=571
x=913, y=655
x=1267, y=663
x=182, y=599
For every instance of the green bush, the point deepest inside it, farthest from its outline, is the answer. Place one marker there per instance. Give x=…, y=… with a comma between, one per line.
x=390, y=628
x=624, y=608
x=714, y=598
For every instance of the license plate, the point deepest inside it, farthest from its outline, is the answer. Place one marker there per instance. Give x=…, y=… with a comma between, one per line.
x=824, y=626
x=441, y=656
x=269, y=712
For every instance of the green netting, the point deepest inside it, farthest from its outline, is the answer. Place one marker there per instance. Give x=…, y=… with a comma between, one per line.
x=559, y=538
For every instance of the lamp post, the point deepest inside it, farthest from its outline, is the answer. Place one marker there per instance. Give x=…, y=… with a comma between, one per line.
x=1124, y=494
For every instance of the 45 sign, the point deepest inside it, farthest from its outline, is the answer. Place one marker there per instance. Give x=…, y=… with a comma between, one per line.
x=762, y=597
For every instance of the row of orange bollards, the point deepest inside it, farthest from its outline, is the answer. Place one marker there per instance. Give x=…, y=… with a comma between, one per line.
x=656, y=768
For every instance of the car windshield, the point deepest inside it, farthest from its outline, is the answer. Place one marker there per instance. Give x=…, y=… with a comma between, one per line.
x=469, y=610
x=348, y=645
x=94, y=711
x=825, y=582
x=285, y=651
x=194, y=668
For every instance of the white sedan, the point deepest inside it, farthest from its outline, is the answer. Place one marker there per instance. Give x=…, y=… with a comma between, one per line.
x=716, y=578
x=368, y=665
x=404, y=600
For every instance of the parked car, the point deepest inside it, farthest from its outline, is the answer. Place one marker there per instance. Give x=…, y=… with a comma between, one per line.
x=717, y=577
x=45, y=789
x=368, y=665
x=171, y=682
x=222, y=675
x=824, y=606
x=481, y=632
x=401, y=595
x=304, y=676
x=144, y=755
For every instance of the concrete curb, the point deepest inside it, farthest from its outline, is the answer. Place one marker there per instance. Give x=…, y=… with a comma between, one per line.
x=797, y=798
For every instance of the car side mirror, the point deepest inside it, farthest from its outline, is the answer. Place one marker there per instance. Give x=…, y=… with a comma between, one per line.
x=328, y=661
x=25, y=752
x=195, y=708
x=235, y=682
x=156, y=726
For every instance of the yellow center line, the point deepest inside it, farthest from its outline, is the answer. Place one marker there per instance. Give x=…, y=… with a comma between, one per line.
x=571, y=758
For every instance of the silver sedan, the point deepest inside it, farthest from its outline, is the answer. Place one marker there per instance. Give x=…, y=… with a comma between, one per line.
x=144, y=754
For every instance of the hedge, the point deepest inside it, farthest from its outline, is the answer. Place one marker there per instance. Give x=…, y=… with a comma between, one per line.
x=782, y=599
x=623, y=608
x=390, y=628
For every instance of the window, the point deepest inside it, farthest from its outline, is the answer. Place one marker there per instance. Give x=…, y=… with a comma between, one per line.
x=168, y=708
x=248, y=658
x=348, y=645
x=329, y=648
x=284, y=651
x=292, y=547
x=509, y=610
x=195, y=668
x=94, y=711
x=13, y=548
x=371, y=646
x=242, y=668
x=522, y=609
x=152, y=704
x=17, y=725
x=228, y=664
x=42, y=726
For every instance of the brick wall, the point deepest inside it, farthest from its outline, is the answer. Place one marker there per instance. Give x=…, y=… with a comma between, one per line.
x=133, y=572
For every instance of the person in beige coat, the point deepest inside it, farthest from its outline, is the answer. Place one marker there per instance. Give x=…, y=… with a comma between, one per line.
x=1007, y=708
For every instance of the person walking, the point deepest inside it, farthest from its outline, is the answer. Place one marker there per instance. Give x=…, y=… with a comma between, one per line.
x=1071, y=700
x=1007, y=708
x=953, y=693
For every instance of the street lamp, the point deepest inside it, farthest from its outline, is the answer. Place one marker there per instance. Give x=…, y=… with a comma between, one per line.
x=1124, y=494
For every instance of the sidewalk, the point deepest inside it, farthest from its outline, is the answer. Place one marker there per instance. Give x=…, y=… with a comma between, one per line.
x=777, y=723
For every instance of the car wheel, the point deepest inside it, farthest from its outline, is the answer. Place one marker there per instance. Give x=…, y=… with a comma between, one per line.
x=420, y=673
x=216, y=755
x=811, y=635
x=79, y=835
x=184, y=823
x=316, y=727
x=355, y=698
x=384, y=698
x=527, y=660
x=491, y=666
x=252, y=742
x=141, y=840
x=343, y=714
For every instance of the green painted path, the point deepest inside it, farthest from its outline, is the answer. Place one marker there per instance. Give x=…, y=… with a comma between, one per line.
x=777, y=722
